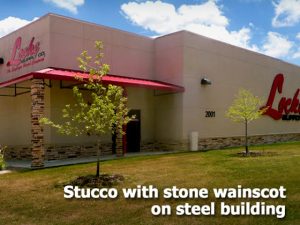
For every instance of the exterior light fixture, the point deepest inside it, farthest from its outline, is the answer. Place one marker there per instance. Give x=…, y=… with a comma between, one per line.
x=1, y=61
x=205, y=81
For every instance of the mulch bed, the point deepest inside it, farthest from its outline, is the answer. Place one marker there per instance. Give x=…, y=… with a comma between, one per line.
x=257, y=153
x=104, y=180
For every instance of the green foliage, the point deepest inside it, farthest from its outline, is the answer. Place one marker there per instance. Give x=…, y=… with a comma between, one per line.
x=246, y=107
x=101, y=110
x=2, y=162
x=106, y=109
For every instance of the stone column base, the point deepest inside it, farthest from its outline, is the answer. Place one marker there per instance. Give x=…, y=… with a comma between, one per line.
x=37, y=133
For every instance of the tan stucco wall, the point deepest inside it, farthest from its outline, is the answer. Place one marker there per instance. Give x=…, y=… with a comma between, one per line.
x=230, y=68
x=169, y=58
x=143, y=100
x=169, y=68
x=15, y=120
x=128, y=54
x=168, y=117
x=15, y=116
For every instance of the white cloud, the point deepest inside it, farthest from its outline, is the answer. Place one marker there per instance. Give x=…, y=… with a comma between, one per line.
x=296, y=55
x=11, y=24
x=206, y=19
x=70, y=5
x=277, y=45
x=287, y=13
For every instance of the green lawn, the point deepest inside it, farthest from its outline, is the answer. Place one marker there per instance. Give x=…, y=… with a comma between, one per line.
x=36, y=197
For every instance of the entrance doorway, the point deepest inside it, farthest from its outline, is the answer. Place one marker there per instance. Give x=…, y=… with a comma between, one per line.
x=133, y=131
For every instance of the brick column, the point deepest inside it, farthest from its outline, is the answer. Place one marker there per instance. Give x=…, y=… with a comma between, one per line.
x=119, y=145
x=121, y=139
x=37, y=134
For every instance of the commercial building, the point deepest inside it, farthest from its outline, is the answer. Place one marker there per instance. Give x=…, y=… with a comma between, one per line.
x=176, y=84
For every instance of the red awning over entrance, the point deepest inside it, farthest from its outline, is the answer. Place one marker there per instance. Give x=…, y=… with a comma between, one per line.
x=68, y=75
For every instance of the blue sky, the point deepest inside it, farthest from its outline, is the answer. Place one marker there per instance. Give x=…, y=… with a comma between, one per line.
x=271, y=27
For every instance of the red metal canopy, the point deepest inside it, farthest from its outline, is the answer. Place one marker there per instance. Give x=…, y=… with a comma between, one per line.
x=59, y=74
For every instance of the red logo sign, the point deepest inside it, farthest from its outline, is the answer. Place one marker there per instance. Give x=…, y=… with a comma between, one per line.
x=287, y=107
x=22, y=57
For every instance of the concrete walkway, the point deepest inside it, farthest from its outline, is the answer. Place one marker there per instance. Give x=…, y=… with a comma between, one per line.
x=25, y=164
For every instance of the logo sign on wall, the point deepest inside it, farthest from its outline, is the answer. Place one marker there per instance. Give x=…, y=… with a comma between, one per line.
x=287, y=108
x=25, y=56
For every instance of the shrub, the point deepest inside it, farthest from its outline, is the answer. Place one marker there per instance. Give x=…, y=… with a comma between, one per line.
x=2, y=162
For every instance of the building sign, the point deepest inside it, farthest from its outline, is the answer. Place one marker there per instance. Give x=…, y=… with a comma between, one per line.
x=288, y=108
x=25, y=56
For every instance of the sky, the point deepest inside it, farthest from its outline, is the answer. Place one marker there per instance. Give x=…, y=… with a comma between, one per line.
x=270, y=27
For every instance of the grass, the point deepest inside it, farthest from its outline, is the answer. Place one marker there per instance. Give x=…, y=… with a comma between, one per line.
x=36, y=197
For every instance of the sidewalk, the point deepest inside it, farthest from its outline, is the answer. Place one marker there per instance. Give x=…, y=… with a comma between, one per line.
x=25, y=164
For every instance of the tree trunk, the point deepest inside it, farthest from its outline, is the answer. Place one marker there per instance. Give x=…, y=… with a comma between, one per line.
x=246, y=137
x=98, y=159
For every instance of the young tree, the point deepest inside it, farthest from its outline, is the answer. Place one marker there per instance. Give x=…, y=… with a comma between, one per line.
x=245, y=108
x=101, y=111
x=2, y=161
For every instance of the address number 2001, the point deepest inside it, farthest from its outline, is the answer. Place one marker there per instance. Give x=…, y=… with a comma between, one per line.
x=210, y=114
